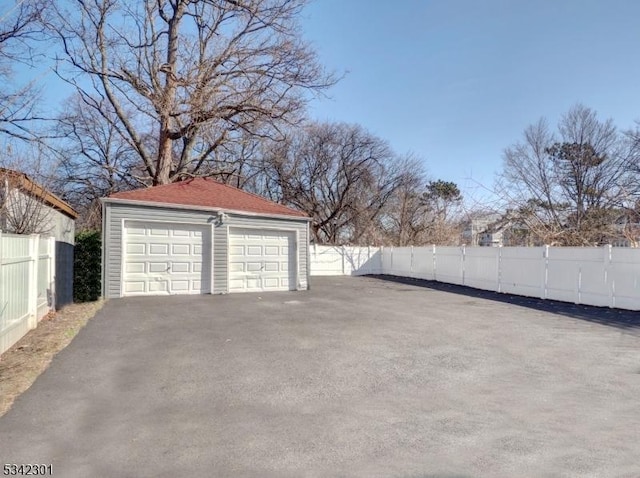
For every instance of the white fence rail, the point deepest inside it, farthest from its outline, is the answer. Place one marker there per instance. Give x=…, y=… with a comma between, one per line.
x=27, y=282
x=605, y=276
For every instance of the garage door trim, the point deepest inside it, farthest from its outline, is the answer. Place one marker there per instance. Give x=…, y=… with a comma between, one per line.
x=123, y=244
x=296, y=247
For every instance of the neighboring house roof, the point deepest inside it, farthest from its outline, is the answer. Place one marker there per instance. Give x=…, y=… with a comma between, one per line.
x=18, y=180
x=209, y=194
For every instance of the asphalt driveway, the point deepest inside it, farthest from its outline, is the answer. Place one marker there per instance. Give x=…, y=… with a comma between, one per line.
x=357, y=377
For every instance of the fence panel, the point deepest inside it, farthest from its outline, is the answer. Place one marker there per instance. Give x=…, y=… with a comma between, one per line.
x=577, y=274
x=563, y=274
x=386, y=259
x=624, y=278
x=362, y=260
x=26, y=284
x=590, y=276
x=326, y=260
x=348, y=260
x=522, y=271
x=400, y=261
x=423, y=263
x=448, y=265
x=481, y=267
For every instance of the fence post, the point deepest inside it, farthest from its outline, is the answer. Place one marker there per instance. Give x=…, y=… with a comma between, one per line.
x=2, y=303
x=411, y=264
x=500, y=268
x=381, y=255
x=545, y=272
x=608, y=251
x=342, y=254
x=434, y=263
x=52, y=273
x=462, y=262
x=32, y=322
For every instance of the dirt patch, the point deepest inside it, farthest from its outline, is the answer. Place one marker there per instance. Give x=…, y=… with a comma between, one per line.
x=31, y=355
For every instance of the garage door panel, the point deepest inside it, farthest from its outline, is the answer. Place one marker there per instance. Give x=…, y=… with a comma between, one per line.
x=135, y=267
x=261, y=260
x=180, y=285
x=158, y=266
x=158, y=286
x=254, y=250
x=166, y=259
x=180, y=249
x=271, y=282
x=159, y=232
x=236, y=284
x=136, y=231
x=236, y=251
x=134, y=287
x=135, y=248
x=271, y=251
x=253, y=283
x=158, y=249
x=177, y=267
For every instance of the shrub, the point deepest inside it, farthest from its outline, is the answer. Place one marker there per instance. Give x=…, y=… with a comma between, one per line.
x=87, y=266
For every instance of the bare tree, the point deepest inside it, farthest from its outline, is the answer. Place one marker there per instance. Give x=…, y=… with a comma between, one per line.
x=340, y=174
x=93, y=159
x=403, y=218
x=418, y=214
x=567, y=188
x=22, y=197
x=20, y=29
x=191, y=74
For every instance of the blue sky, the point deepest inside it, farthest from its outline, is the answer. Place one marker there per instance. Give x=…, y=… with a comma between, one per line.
x=457, y=81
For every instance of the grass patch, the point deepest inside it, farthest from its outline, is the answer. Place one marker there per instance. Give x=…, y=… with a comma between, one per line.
x=31, y=355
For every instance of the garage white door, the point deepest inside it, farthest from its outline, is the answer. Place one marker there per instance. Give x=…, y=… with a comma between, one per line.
x=261, y=260
x=166, y=258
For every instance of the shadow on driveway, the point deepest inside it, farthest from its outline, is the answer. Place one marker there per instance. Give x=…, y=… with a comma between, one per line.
x=620, y=318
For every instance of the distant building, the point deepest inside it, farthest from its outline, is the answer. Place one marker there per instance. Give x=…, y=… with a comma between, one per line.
x=26, y=208
x=478, y=231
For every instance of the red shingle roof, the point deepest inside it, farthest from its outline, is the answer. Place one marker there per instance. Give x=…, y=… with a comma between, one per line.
x=208, y=193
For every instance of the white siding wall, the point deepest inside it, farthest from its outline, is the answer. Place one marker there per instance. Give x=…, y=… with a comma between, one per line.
x=51, y=222
x=116, y=213
x=606, y=276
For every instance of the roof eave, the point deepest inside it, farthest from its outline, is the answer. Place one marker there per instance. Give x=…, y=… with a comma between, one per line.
x=32, y=188
x=204, y=208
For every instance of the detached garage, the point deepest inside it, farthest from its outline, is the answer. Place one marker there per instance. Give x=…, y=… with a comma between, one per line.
x=201, y=237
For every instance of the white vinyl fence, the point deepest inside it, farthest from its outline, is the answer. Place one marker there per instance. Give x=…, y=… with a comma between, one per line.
x=27, y=278
x=604, y=276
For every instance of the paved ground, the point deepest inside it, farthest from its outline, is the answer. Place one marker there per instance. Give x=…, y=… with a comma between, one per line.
x=358, y=377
